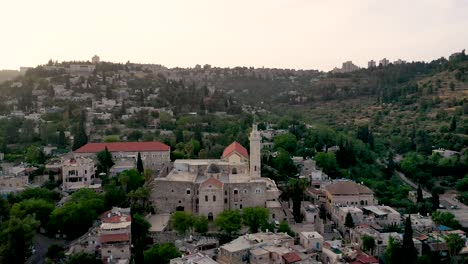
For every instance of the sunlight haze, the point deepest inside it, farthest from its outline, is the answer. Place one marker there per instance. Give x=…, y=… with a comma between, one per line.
x=301, y=34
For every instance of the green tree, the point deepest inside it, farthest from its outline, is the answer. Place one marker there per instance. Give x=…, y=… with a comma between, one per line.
x=140, y=167
x=255, y=217
x=446, y=219
x=140, y=228
x=201, y=224
x=408, y=248
x=140, y=200
x=419, y=195
x=462, y=184
x=393, y=254
x=131, y=180
x=105, y=161
x=76, y=216
x=182, y=221
x=35, y=155
x=327, y=161
x=287, y=142
x=454, y=243
x=55, y=253
x=285, y=228
x=453, y=124
x=38, y=208
x=161, y=254
x=368, y=243
x=82, y=257
x=349, y=222
x=80, y=137
x=229, y=221
x=16, y=236
x=284, y=164
x=61, y=141
x=295, y=190
x=114, y=196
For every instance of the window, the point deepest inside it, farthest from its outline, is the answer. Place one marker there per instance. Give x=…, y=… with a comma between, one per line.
x=214, y=198
x=257, y=190
x=234, y=171
x=236, y=191
x=225, y=200
x=245, y=191
x=225, y=192
x=240, y=206
x=188, y=191
x=206, y=198
x=273, y=216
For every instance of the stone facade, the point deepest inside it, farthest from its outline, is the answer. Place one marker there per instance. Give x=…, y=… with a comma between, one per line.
x=78, y=173
x=208, y=187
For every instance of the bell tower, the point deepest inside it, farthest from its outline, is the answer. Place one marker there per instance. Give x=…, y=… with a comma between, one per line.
x=255, y=156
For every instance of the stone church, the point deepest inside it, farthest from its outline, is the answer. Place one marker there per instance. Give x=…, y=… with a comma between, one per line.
x=209, y=186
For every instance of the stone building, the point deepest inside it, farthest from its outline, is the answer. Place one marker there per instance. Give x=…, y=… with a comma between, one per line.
x=78, y=173
x=209, y=186
x=348, y=193
x=115, y=235
x=154, y=155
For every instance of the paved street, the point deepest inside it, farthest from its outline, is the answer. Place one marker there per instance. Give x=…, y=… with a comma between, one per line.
x=41, y=245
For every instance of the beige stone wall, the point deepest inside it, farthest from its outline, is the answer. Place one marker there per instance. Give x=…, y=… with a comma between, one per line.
x=168, y=195
x=116, y=251
x=211, y=200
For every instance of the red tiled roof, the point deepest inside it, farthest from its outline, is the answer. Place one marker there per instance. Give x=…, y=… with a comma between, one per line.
x=116, y=219
x=291, y=257
x=214, y=182
x=235, y=147
x=114, y=238
x=365, y=259
x=123, y=147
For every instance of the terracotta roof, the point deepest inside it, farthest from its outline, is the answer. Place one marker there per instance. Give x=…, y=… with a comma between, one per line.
x=364, y=259
x=347, y=188
x=114, y=238
x=291, y=257
x=117, y=219
x=123, y=147
x=235, y=147
x=214, y=182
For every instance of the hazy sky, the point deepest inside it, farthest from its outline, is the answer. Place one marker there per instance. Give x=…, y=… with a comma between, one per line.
x=302, y=34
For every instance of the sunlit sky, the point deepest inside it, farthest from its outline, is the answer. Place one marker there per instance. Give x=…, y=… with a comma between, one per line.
x=301, y=34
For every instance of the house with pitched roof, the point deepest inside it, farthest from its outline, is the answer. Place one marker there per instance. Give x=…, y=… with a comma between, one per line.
x=348, y=193
x=154, y=155
x=209, y=186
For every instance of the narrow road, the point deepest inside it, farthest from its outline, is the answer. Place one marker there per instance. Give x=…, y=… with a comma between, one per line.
x=410, y=183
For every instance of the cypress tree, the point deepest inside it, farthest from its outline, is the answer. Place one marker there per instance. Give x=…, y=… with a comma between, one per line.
x=80, y=138
x=140, y=167
x=409, y=251
x=419, y=197
x=349, y=222
x=435, y=201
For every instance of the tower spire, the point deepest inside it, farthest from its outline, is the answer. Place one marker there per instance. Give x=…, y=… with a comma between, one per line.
x=255, y=166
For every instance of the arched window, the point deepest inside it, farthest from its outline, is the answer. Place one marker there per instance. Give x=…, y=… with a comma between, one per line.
x=236, y=191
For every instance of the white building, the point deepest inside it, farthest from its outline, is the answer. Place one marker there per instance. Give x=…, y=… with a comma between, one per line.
x=384, y=62
x=381, y=215
x=311, y=241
